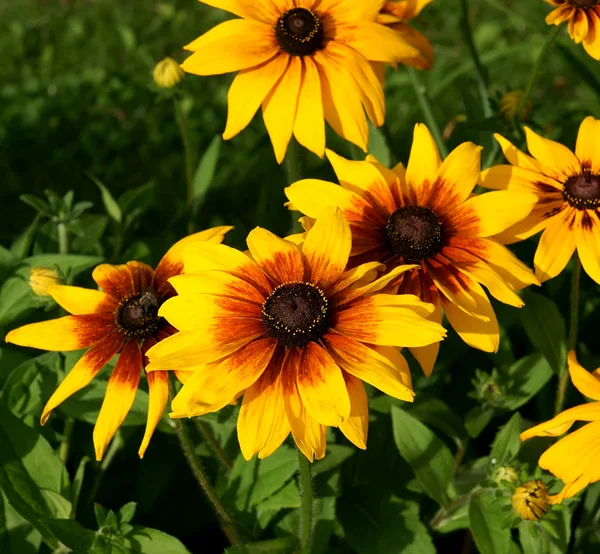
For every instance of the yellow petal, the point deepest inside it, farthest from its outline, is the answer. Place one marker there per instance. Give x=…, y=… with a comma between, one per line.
x=341, y=101
x=516, y=157
x=364, y=179
x=387, y=320
x=459, y=173
x=158, y=396
x=322, y=387
x=119, y=396
x=556, y=247
x=80, y=301
x=71, y=332
x=233, y=45
x=497, y=211
x=502, y=177
x=588, y=145
x=556, y=160
x=356, y=427
x=585, y=382
x=211, y=388
x=309, y=126
x=279, y=107
x=262, y=424
x=424, y=161
x=587, y=238
x=217, y=283
x=83, y=372
x=327, y=248
x=427, y=355
x=350, y=10
x=249, y=9
x=278, y=258
x=390, y=376
x=483, y=335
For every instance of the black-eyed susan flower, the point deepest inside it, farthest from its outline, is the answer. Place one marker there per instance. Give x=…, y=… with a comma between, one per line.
x=41, y=278
x=574, y=459
x=396, y=15
x=119, y=319
x=567, y=186
x=530, y=500
x=167, y=73
x=294, y=332
x=583, y=18
x=304, y=61
x=425, y=215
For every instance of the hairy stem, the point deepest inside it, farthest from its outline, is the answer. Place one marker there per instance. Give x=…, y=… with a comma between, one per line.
x=63, y=450
x=573, y=327
x=426, y=108
x=185, y=441
x=63, y=237
x=306, y=493
x=206, y=433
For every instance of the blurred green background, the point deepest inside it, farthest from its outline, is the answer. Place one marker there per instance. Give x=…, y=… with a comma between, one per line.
x=78, y=103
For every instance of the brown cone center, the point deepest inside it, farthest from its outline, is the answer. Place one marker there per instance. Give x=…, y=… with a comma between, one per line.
x=138, y=316
x=414, y=233
x=585, y=4
x=582, y=191
x=299, y=32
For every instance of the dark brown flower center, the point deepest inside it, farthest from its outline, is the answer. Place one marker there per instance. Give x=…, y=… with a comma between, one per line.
x=295, y=314
x=414, y=233
x=583, y=191
x=137, y=317
x=299, y=32
x=585, y=4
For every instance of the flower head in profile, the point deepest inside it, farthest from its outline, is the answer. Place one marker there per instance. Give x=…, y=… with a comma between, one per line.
x=567, y=186
x=396, y=15
x=574, y=459
x=304, y=62
x=167, y=73
x=530, y=500
x=293, y=331
x=426, y=215
x=583, y=17
x=120, y=319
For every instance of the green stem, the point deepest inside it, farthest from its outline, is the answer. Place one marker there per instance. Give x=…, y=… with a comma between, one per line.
x=306, y=492
x=536, y=69
x=480, y=72
x=573, y=327
x=63, y=237
x=210, y=439
x=185, y=441
x=189, y=160
x=293, y=172
x=427, y=110
x=63, y=450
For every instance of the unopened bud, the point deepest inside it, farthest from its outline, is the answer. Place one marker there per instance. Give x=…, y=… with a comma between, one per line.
x=167, y=73
x=41, y=278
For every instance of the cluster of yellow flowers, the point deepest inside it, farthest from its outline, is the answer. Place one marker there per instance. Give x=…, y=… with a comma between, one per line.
x=295, y=325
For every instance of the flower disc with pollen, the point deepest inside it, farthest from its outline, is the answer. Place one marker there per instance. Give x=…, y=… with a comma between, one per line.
x=299, y=32
x=426, y=214
x=119, y=320
x=294, y=332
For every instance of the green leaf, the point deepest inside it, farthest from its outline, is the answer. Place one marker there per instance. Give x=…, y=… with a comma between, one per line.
x=532, y=540
x=378, y=146
x=132, y=198
x=205, y=171
x=528, y=376
x=546, y=329
x=253, y=481
x=429, y=458
x=436, y=413
x=486, y=523
x=27, y=465
x=36, y=203
x=71, y=264
x=16, y=299
x=152, y=541
x=284, y=545
x=22, y=244
x=17, y=535
x=110, y=204
x=77, y=484
x=127, y=512
x=506, y=444
x=336, y=454
x=72, y=534
x=374, y=524
x=477, y=419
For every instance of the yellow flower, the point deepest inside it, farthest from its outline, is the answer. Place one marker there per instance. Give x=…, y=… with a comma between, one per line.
x=121, y=319
x=568, y=189
x=167, y=73
x=425, y=214
x=395, y=15
x=41, y=278
x=510, y=102
x=574, y=459
x=294, y=332
x=304, y=62
x=584, y=22
x=530, y=501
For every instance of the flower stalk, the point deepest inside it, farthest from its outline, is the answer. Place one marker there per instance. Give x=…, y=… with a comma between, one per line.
x=306, y=495
x=573, y=328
